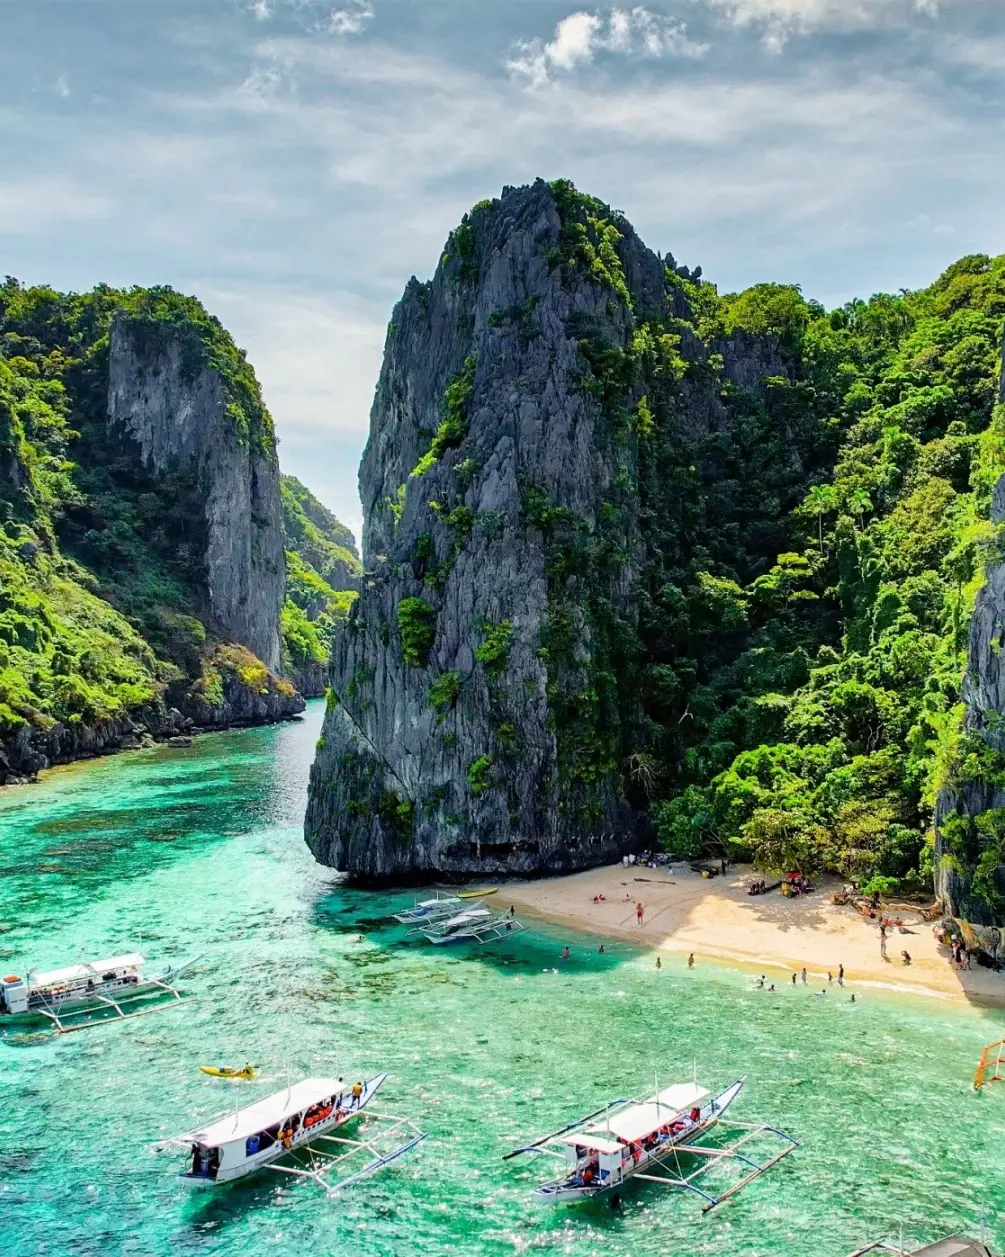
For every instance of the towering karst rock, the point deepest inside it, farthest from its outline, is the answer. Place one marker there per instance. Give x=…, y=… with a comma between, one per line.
x=178, y=410
x=485, y=711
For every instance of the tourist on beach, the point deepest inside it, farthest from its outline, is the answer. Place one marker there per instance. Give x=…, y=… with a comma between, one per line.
x=512, y=911
x=804, y=975
x=690, y=961
x=905, y=957
x=600, y=949
x=659, y=963
x=566, y=954
x=853, y=997
x=639, y=912
x=840, y=975
x=794, y=977
x=830, y=976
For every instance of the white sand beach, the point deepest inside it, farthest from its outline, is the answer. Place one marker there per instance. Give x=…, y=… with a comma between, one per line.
x=717, y=918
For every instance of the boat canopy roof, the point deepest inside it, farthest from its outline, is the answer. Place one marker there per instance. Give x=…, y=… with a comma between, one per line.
x=954, y=1246
x=91, y=969
x=594, y=1142
x=263, y=1113
x=639, y=1120
x=471, y=914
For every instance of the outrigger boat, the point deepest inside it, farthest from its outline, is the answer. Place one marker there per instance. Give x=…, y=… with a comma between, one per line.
x=83, y=989
x=293, y=1121
x=630, y=1139
x=952, y=1246
x=430, y=910
x=477, y=923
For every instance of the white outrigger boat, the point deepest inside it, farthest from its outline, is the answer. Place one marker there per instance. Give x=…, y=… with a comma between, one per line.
x=952, y=1246
x=87, y=988
x=430, y=910
x=630, y=1139
x=294, y=1121
x=477, y=923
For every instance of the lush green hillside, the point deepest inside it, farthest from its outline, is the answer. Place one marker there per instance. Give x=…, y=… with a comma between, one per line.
x=811, y=709
x=103, y=601
x=323, y=572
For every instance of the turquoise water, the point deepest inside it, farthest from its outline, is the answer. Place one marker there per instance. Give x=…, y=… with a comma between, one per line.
x=200, y=850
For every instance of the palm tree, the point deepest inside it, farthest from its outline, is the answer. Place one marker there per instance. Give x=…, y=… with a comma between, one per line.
x=859, y=503
x=822, y=498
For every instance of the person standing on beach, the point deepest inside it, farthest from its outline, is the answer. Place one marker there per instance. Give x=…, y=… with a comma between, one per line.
x=690, y=961
x=659, y=963
x=804, y=975
x=840, y=975
x=794, y=977
x=639, y=912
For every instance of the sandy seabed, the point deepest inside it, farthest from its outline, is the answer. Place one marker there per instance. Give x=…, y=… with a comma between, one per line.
x=685, y=912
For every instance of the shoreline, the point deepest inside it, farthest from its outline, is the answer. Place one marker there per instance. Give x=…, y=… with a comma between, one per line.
x=716, y=919
x=150, y=742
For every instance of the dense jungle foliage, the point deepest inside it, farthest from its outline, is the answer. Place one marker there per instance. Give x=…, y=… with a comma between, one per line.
x=813, y=568
x=323, y=572
x=103, y=601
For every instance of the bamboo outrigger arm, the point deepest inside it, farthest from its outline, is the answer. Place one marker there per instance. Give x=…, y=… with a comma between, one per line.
x=323, y=1164
x=718, y=1155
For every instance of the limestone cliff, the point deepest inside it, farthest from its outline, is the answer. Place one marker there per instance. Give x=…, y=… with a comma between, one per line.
x=969, y=819
x=179, y=413
x=485, y=709
x=141, y=547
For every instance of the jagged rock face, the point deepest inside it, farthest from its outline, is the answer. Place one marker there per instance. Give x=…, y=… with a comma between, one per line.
x=179, y=418
x=479, y=686
x=984, y=696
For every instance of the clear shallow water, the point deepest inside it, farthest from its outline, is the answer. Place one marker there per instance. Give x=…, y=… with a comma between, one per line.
x=182, y=851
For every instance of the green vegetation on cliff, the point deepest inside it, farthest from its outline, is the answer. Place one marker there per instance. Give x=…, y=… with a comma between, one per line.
x=791, y=687
x=323, y=572
x=103, y=600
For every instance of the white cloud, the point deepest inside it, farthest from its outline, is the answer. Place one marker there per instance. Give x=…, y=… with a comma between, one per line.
x=580, y=36
x=41, y=205
x=261, y=10
x=783, y=18
x=351, y=20
x=62, y=86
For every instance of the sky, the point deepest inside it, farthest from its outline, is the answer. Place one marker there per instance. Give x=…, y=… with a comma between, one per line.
x=293, y=162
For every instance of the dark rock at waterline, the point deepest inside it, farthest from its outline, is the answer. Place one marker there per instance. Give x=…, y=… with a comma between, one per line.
x=31, y=750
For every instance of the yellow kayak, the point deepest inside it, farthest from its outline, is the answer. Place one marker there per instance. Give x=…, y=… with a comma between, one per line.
x=247, y=1072
x=476, y=894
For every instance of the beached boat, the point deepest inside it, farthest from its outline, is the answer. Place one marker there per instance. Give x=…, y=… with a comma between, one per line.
x=477, y=894
x=430, y=910
x=82, y=989
x=632, y=1139
x=473, y=923
x=277, y=1127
